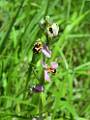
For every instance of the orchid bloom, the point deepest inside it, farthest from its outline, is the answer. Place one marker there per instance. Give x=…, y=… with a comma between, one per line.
x=49, y=69
x=38, y=46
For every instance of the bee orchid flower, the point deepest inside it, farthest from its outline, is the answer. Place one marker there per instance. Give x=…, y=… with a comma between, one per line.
x=49, y=69
x=39, y=47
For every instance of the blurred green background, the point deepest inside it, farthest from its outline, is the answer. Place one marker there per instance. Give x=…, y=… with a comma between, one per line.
x=67, y=96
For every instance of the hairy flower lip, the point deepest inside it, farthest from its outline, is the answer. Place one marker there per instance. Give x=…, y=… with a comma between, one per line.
x=37, y=47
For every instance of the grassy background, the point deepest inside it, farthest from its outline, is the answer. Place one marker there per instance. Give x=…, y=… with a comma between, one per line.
x=67, y=97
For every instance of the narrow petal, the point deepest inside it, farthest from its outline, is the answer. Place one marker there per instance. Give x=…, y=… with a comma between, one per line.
x=46, y=51
x=46, y=76
x=54, y=65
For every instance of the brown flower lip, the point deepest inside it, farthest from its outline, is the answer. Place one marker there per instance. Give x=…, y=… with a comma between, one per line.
x=37, y=47
x=51, y=70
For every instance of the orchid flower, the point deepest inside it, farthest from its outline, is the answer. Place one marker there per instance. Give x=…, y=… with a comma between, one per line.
x=39, y=47
x=49, y=69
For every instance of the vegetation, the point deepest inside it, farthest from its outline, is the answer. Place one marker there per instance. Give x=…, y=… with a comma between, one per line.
x=67, y=95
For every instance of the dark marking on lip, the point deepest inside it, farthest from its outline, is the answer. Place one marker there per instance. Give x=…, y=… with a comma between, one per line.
x=51, y=30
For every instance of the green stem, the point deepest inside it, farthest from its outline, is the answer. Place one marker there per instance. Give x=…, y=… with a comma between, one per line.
x=29, y=73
